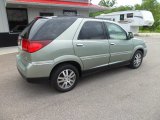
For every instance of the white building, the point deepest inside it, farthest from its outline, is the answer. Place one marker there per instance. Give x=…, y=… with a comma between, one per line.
x=16, y=14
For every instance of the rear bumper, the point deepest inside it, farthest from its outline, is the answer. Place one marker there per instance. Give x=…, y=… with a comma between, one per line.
x=34, y=70
x=33, y=79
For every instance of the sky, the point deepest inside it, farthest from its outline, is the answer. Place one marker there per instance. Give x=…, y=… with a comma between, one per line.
x=122, y=2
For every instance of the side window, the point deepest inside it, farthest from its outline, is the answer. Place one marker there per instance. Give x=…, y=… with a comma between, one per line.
x=116, y=32
x=130, y=15
x=92, y=30
x=122, y=17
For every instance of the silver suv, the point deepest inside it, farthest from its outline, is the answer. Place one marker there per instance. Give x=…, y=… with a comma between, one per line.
x=60, y=48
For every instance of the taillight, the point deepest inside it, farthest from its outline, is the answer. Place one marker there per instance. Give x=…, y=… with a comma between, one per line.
x=33, y=46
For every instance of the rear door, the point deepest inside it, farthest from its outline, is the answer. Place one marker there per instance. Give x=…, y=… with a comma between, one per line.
x=120, y=47
x=91, y=45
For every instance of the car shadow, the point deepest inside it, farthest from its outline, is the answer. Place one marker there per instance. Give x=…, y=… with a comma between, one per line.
x=40, y=87
x=43, y=87
x=101, y=73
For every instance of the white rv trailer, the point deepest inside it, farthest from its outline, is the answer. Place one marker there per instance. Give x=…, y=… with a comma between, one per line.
x=130, y=20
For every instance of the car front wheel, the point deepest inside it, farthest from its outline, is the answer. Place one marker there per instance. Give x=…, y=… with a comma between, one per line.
x=136, y=60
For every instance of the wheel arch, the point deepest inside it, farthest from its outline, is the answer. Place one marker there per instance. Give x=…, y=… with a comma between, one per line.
x=71, y=62
x=140, y=48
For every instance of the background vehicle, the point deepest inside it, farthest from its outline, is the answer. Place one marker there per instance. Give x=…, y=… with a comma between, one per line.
x=130, y=20
x=61, y=48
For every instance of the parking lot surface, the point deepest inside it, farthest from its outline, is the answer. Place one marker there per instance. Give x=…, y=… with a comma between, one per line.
x=117, y=94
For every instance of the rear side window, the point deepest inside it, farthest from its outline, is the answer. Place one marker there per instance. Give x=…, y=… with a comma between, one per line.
x=47, y=29
x=92, y=30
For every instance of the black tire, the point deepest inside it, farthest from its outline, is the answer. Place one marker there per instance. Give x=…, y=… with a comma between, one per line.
x=133, y=63
x=58, y=84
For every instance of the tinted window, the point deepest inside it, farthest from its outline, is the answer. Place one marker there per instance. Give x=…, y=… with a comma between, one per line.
x=32, y=28
x=116, y=32
x=92, y=30
x=47, y=29
x=130, y=15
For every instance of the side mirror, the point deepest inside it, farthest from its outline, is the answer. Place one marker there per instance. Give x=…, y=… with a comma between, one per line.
x=130, y=35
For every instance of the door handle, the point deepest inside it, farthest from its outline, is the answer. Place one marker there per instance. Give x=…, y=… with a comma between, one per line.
x=112, y=44
x=79, y=45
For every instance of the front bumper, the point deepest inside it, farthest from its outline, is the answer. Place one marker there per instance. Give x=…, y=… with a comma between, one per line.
x=145, y=52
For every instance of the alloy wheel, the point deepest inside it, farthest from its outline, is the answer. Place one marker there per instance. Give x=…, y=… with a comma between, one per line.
x=137, y=60
x=66, y=79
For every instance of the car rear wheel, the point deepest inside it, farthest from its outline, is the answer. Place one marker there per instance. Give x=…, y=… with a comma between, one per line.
x=64, y=78
x=136, y=60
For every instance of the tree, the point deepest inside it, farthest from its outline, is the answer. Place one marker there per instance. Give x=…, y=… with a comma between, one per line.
x=107, y=3
x=154, y=7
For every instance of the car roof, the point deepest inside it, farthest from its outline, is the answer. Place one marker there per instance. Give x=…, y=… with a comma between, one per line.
x=83, y=17
x=80, y=17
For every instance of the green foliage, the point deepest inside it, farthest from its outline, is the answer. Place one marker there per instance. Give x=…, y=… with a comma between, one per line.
x=107, y=3
x=151, y=5
x=154, y=7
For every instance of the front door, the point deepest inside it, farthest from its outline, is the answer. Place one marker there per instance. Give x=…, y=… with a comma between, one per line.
x=91, y=44
x=120, y=47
